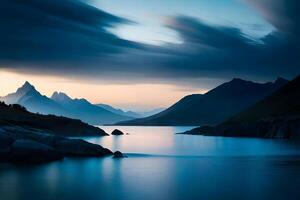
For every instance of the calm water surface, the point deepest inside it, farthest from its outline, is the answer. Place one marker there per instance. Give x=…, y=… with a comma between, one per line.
x=162, y=165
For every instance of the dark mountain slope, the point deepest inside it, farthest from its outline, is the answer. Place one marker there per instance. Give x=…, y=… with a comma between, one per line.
x=276, y=116
x=282, y=103
x=119, y=111
x=213, y=107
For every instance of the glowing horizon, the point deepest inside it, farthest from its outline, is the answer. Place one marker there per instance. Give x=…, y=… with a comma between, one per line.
x=139, y=97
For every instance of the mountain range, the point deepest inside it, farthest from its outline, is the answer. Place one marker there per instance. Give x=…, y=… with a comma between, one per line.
x=131, y=113
x=119, y=111
x=212, y=107
x=276, y=116
x=62, y=105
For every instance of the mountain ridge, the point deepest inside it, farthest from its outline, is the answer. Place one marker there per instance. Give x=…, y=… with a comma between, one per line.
x=62, y=105
x=275, y=116
x=119, y=111
x=212, y=107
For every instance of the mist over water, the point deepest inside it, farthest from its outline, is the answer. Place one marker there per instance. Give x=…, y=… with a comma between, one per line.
x=163, y=165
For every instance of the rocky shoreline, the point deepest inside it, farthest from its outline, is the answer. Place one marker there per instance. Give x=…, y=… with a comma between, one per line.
x=276, y=128
x=30, y=146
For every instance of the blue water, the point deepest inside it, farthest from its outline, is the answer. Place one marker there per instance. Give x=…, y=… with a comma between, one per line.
x=162, y=165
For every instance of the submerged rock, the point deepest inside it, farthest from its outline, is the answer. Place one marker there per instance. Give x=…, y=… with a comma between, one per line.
x=29, y=151
x=117, y=132
x=119, y=154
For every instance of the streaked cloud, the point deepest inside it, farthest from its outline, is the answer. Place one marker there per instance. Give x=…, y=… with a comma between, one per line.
x=72, y=39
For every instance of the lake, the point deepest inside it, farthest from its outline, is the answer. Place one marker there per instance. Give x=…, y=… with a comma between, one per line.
x=163, y=166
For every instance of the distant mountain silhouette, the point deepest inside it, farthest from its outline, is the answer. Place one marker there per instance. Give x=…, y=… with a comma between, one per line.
x=213, y=107
x=62, y=105
x=119, y=111
x=30, y=98
x=82, y=109
x=131, y=113
x=276, y=116
x=151, y=112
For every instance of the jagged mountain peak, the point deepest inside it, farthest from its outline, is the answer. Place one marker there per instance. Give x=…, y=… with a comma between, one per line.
x=61, y=104
x=60, y=97
x=25, y=88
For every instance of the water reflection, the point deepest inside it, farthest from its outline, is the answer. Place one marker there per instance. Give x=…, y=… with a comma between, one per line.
x=153, y=178
x=180, y=167
x=164, y=141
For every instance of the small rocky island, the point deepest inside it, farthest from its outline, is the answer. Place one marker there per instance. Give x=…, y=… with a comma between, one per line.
x=117, y=132
x=27, y=138
x=118, y=154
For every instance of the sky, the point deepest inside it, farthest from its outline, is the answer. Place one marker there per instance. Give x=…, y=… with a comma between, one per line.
x=141, y=54
x=149, y=17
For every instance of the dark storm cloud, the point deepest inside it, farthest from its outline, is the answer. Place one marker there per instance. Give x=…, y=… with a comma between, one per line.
x=282, y=14
x=223, y=52
x=219, y=51
x=196, y=32
x=53, y=30
x=70, y=38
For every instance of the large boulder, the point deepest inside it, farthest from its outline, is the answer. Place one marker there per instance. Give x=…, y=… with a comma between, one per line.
x=78, y=147
x=47, y=139
x=28, y=151
x=23, y=146
x=72, y=147
x=117, y=132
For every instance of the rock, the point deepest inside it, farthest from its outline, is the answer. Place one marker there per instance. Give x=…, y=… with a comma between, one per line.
x=119, y=154
x=72, y=147
x=28, y=151
x=21, y=145
x=117, y=132
x=78, y=147
x=47, y=139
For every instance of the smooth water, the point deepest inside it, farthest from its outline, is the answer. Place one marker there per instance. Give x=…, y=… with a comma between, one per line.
x=162, y=165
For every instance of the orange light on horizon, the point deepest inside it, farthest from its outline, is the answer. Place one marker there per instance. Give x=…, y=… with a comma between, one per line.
x=139, y=96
